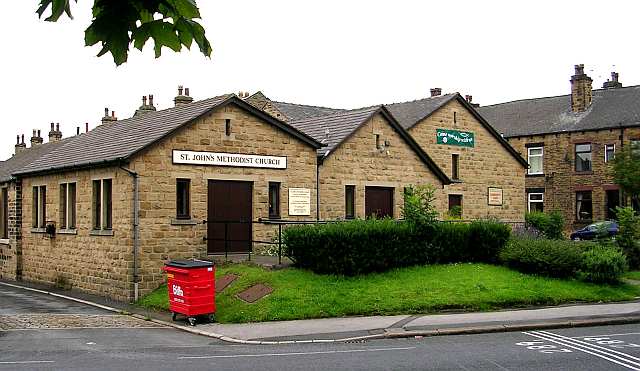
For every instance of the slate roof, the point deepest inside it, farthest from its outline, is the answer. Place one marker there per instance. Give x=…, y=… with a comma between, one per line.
x=610, y=108
x=122, y=139
x=297, y=112
x=410, y=113
x=334, y=129
x=21, y=159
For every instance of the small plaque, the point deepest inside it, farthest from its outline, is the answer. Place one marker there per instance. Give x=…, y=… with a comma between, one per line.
x=495, y=196
x=299, y=201
x=224, y=281
x=255, y=293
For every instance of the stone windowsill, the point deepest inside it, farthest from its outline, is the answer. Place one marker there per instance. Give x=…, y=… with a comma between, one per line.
x=101, y=232
x=456, y=181
x=583, y=173
x=4, y=241
x=176, y=221
x=38, y=230
x=67, y=231
x=534, y=175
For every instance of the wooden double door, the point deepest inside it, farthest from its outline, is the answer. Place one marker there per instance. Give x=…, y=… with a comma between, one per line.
x=229, y=216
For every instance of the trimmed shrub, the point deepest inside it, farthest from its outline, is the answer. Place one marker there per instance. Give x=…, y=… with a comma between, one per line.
x=603, y=265
x=550, y=224
x=554, y=258
x=363, y=246
x=628, y=237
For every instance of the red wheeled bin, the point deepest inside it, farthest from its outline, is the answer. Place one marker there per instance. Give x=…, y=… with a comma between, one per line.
x=192, y=288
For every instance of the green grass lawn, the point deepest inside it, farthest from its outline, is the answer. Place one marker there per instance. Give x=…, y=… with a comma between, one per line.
x=633, y=275
x=302, y=294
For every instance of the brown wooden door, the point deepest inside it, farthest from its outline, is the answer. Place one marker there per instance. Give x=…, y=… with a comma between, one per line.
x=229, y=216
x=378, y=201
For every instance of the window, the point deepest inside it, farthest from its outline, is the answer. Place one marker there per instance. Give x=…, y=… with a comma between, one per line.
x=609, y=152
x=455, y=162
x=102, y=193
x=635, y=145
x=39, y=207
x=455, y=117
x=584, y=209
x=183, y=199
x=535, y=155
x=611, y=201
x=227, y=127
x=274, y=200
x=583, y=157
x=4, y=214
x=350, y=202
x=455, y=206
x=68, y=206
x=377, y=141
x=535, y=202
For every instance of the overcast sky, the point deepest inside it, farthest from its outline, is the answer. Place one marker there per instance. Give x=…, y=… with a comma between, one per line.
x=336, y=53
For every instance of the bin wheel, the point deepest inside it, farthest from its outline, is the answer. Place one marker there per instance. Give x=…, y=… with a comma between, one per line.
x=174, y=316
x=211, y=318
x=192, y=321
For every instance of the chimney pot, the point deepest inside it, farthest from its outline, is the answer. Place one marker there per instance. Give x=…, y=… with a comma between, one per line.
x=18, y=139
x=86, y=127
x=38, y=133
x=436, y=92
x=144, y=100
x=22, y=137
x=58, y=126
x=113, y=114
x=20, y=146
x=52, y=126
x=151, y=99
x=106, y=111
x=77, y=130
x=181, y=99
x=186, y=91
x=180, y=88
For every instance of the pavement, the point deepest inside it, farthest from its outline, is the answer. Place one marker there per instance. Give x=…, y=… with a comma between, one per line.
x=354, y=329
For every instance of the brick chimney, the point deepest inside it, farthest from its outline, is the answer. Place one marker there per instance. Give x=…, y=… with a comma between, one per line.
x=182, y=97
x=145, y=107
x=581, y=93
x=436, y=92
x=469, y=99
x=108, y=118
x=36, y=139
x=613, y=83
x=20, y=146
x=55, y=134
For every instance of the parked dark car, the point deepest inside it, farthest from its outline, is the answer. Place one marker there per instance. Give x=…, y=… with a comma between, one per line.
x=599, y=229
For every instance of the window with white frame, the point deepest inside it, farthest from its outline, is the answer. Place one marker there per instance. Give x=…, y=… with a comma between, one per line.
x=102, y=196
x=39, y=207
x=609, y=152
x=535, y=156
x=535, y=201
x=68, y=206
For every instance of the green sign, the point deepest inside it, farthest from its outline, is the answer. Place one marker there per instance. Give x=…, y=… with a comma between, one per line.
x=455, y=138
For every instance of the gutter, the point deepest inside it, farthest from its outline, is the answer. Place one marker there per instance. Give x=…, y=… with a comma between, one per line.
x=136, y=230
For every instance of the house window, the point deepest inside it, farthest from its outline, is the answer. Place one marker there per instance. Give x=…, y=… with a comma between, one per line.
x=4, y=214
x=274, y=200
x=39, y=207
x=350, y=202
x=68, y=205
x=102, y=196
x=584, y=210
x=609, y=152
x=455, y=162
x=227, y=127
x=635, y=145
x=455, y=206
x=377, y=141
x=455, y=117
x=535, y=156
x=583, y=157
x=183, y=199
x=535, y=202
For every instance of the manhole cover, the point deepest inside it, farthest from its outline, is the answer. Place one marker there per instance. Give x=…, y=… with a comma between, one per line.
x=255, y=292
x=224, y=281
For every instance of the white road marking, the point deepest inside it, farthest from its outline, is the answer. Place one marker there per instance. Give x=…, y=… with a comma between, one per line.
x=604, y=336
x=574, y=344
x=593, y=345
x=22, y=362
x=297, y=353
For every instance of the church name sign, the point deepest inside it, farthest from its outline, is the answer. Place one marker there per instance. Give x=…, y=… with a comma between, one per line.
x=455, y=138
x=229, y=159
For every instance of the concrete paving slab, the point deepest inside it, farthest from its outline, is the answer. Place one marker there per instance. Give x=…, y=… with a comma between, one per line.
x=249, y=331
x=564, y=312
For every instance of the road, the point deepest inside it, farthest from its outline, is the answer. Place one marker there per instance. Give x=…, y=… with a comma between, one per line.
x=43, y=332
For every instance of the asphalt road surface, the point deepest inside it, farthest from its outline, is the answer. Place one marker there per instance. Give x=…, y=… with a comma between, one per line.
x=79, y=338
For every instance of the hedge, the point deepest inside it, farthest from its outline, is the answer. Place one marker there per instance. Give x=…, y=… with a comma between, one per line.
x=550, y=224
x=363, y=246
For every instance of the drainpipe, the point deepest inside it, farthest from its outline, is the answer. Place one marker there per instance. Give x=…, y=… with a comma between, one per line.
x=136, y=230
x=318, y=163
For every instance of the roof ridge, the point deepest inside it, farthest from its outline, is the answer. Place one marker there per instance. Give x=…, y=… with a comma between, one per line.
x=308, y=105
x=337, y=114
x=419, y=99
